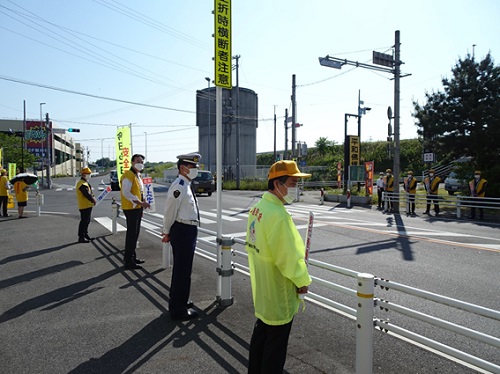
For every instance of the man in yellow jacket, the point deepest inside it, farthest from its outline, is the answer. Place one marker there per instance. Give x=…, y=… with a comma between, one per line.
x=278, y=270
x=477, y=189
x=86, y=201
x=431, y=184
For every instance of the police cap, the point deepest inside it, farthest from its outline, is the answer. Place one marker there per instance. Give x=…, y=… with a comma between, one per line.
x=190, y=158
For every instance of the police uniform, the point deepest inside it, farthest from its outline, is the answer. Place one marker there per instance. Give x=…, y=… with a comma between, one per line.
x=86, y=202
x=180, y=222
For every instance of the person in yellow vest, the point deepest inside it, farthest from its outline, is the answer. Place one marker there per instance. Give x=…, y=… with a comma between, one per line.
x=133, y=204
x=4, y=191
x=278, y=271
x=410, y=185
x=431, y=184
x=477, y=189
x=86, y=202
x=389, y=188
x=21, y=191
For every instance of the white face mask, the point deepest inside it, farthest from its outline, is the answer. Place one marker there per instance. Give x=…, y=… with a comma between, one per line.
x=139, y=167
x=290, y=194
x=477, y=176
x=86, y=177
x=431, y=175
x=192, y=173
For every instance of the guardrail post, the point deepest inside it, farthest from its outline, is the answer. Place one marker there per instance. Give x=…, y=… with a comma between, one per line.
x=459, y=203
x=385, y=199
x=348, y=198
x=114, y=214
x=39, y=203
x=225, y=271
x=364, y=323
x=407, y=197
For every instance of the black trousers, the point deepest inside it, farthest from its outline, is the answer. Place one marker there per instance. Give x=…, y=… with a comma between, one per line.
x=379, y=195
x=473, y=213
x=435, y=199
x=4, y=200
x=134, y=218
x=183, y=241
x=268, y=348
x=411, y=200
x=83, y=227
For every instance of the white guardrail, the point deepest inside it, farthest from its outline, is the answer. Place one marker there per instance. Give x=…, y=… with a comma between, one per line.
x=457, y=202
x=363, y=296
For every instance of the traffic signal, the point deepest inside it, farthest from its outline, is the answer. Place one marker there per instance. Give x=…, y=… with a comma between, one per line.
x=73, y=130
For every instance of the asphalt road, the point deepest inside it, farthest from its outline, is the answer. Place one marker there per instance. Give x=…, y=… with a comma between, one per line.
x=69, y=308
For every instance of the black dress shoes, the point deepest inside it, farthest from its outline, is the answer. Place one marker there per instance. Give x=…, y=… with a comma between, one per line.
x=190, y=304
x=138, y=261
x=89, y=238
x=83, y=240
x=132, y=267
x=190, y=314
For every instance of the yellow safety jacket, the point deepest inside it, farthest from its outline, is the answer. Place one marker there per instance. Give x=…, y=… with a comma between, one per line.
x=389, y=183
x=136, y=190
x=479, y=189
x=410, y=185
x=276, y=260
x=21, y=194
x=3, y=182
x=432, y=185
x=83, y=202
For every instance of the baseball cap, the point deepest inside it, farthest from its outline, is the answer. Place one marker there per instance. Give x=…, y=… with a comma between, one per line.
x=285, y=167
x=86, y=171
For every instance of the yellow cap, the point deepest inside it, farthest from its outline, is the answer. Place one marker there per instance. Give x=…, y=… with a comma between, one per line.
x=285, y=167
x=388, y=171
x=86, y=171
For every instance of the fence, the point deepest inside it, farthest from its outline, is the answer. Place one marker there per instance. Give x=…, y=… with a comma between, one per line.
x=363, y=296
x=456, y=202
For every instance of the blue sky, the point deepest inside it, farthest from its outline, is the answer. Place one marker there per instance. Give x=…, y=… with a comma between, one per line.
x=158, y=53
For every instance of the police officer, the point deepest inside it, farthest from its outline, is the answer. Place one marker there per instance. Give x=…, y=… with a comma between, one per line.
x=133, y=204
x=86, y=201
x=431, y=184
x=477, y=189
x=180, y=228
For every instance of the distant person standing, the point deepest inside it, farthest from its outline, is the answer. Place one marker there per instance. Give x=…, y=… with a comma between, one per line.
x=477, y=189
x=380, y=189
x=86, y=201
x=21, y=191
x=4, y=191
x=431, y=184
x=389, y=188
x=410, y=185
x=278, y=271
x=180, y=228
x=133, y=204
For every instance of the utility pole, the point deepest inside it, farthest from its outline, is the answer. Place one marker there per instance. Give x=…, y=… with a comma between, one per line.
x=285, y=156
x=294, y=115
x=397, y=76
x=275, y=134
x=236, y=116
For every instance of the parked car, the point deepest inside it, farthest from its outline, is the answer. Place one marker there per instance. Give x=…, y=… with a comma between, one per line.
x=113, y=180
x=452, y=184
x=204, y=183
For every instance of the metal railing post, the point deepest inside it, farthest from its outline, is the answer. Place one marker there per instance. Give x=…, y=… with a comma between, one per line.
x=114, y=215
x=226, y=271
x=39, y=203
x=364, y=323
x=348, y=198
x=459, y=203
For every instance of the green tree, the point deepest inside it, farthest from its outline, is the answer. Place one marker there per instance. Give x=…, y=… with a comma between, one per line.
x=13, y=151
x=463, y=119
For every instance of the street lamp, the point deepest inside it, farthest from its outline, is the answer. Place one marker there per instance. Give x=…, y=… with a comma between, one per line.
x=43, y=143
x=208, y=95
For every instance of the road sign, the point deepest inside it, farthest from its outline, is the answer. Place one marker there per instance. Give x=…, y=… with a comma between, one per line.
x=383, y=59
x=58, y=131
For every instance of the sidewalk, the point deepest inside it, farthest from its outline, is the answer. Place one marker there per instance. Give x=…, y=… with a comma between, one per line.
x=70, y=308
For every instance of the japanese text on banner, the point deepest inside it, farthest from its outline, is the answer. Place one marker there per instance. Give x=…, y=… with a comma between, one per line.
x=123, y=150
x=149, y=195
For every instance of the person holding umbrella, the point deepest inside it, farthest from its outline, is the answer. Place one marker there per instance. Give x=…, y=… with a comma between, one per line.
x=21, y=190
x=86, y=202
x=4, y=191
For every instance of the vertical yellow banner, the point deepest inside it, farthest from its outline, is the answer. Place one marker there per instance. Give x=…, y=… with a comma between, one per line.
x=12, y=170
x=222, y=36
x=1, y=157
x=123, y=150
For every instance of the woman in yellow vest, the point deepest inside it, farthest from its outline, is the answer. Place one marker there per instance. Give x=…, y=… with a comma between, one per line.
x=389, y=189
x=410, y=184
x=477, y=189
x=86, y=202
x=21, y=190
x=4, y=191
